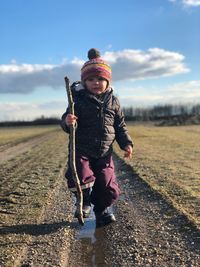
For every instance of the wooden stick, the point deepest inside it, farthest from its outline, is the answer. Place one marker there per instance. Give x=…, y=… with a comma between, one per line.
x=72, y=160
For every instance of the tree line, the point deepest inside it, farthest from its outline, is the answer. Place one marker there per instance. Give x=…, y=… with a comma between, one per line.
x=160, y=112
x=39, y=121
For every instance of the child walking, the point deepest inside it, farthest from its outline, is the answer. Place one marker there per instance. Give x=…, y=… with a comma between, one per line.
x=99, y=122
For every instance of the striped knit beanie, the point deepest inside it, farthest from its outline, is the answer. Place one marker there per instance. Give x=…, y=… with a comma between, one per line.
x=95, y=66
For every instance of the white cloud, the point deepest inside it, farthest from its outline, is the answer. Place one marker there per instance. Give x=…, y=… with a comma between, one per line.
x=180, y=93
x=186, y=92
x=26, y=111
x=138, y=64
x=191, y=2
x=24, y=78
x=187, y=3
x=24, y=68
x=126, y=65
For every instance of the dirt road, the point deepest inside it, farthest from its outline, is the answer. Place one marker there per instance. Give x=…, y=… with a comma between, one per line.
x=38, y=228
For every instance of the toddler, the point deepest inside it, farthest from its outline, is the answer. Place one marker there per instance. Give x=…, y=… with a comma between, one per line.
x=99, y=122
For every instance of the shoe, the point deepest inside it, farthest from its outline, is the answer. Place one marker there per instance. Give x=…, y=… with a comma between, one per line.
x=86, y=211
x=86, y=204
x=105, y=217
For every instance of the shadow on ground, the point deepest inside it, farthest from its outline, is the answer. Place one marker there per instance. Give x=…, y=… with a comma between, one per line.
x=36, y=229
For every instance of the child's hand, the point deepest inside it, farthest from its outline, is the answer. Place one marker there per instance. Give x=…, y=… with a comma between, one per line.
x=70, y=119
x=128, y=151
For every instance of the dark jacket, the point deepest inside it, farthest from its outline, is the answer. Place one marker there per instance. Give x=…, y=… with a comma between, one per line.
x=99, y=124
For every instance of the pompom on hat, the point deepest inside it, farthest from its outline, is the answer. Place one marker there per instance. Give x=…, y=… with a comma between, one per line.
x=95, y=66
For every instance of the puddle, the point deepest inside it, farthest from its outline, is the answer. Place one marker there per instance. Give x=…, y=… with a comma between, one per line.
x=93, y=244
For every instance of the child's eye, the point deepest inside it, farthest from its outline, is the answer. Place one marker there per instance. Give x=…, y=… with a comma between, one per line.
x=96, y=78
x=101, y=79
x=90, y=79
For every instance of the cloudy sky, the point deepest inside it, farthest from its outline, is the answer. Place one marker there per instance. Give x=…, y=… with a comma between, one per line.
x=152, y=46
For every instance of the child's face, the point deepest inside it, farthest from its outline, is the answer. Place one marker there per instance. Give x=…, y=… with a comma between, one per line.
x=96, y=85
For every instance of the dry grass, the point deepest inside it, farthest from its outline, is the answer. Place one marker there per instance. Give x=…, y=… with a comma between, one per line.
x=13, y=135
x=168, y=159
x=25, y=185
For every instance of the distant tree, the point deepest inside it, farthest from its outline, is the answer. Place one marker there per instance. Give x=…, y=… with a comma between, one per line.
x=184, y=110
x=196, y=109
x=160, y=112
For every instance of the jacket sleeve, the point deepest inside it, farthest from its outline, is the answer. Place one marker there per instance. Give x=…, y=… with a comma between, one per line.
x=75, y=95
x=62, y=122
x=121, y=133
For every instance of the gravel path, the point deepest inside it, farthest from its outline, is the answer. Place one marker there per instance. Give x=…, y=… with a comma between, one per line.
x=10, y=152
x=47, y=240
x=149, y=232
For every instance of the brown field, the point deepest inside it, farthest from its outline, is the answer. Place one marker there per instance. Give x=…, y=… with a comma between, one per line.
x=33, y=191
x=14, y=135
x=27, y=180
x=168, y=158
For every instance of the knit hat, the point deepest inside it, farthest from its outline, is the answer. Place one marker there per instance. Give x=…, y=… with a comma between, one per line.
x=95, y=66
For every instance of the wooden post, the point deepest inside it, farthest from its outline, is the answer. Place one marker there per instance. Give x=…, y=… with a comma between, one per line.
x=72, y=160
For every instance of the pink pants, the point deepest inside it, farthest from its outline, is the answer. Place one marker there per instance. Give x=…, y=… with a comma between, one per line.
x=98, y=174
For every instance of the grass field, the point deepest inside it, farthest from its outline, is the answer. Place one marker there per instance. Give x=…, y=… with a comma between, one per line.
x=168, y=158
x=26, y=182
x=14, y=135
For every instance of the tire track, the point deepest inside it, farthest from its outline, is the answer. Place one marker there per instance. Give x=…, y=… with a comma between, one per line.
x=16, y=150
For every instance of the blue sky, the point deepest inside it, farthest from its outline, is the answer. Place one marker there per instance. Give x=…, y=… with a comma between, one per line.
x=152, y=47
